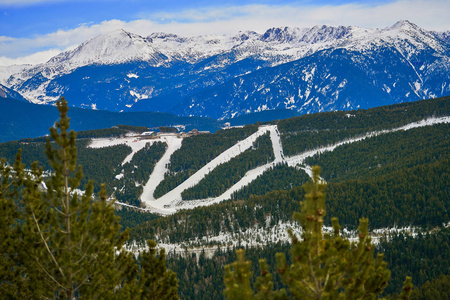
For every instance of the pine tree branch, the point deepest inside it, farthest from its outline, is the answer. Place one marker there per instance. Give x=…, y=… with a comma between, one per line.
x=82, y=257
x=46, y=245
x=85, y=281
x=61, y=231
x=313, y=275
x=308, y=285
x=75, y=273
x=55, y=207
x=49, y=275
x=343, y=274
x=326, y=278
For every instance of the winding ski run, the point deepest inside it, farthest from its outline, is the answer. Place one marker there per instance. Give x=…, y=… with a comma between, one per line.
x=172, y=201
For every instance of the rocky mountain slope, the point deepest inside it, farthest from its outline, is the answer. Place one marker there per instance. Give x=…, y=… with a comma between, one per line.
x=307, y=70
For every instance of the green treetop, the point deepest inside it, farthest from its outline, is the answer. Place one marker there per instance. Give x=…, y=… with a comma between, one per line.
x=324, y=266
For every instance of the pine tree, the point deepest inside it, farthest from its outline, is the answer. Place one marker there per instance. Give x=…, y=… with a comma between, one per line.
x=237, y=278
x=74, y=238
x=323, y=266
x=12, y=265
x=68, y=244
x=155, y=282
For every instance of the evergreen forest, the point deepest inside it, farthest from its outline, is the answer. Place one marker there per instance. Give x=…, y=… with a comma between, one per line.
x=382, y=164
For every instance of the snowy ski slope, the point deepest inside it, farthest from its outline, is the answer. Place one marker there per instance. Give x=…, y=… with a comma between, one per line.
x=172, y=202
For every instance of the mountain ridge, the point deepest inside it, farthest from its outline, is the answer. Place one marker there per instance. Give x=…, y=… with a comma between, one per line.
x=122, y=71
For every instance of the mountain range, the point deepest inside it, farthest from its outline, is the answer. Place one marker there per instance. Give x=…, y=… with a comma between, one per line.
x=305, y=70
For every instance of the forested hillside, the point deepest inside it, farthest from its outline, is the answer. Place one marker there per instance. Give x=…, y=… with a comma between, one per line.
x=389, y=164
x=310, y=131
x=425, y=258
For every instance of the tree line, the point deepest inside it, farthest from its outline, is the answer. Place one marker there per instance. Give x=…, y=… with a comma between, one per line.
x=279, y=177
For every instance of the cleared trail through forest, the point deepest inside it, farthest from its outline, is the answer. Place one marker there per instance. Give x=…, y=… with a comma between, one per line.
x=171, y=202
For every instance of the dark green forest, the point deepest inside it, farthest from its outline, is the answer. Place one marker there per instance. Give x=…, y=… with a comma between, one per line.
x=405, y=184
x=385, y=154
x=407, y=198
x=136, y=173
x=279, y=177
x=98, y=165
x=307, y=132
x=424, y=257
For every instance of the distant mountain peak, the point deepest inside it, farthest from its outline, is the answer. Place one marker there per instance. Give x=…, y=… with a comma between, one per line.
x=326, y=33
x=123, y=71
x=285, y=35
x=118, y=46
x=404, y=24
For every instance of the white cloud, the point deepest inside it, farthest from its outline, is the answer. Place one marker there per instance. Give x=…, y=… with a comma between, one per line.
x=39, y=57
x=429, y=14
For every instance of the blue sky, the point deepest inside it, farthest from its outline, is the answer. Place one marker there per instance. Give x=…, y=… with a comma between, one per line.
x=32, y=31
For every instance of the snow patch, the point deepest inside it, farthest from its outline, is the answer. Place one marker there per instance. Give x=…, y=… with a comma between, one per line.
x=132, y=75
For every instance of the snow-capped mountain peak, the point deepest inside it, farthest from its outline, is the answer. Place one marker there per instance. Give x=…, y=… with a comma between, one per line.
x=283, y=35
x=306, y=69
x=405, y=31
x=112, y=48
x=321, y=34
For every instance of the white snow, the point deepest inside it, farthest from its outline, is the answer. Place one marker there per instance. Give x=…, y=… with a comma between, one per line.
x=131, y=141
x=139, y=96
x=168, y=202
x=159, y=170
x=172, y=201
x=259, y=236
x=132, y=75
x=275, y=47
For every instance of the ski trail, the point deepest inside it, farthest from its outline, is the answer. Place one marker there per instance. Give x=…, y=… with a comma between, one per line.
x=276, y=144
x=173, y=144
x=248, y=178
x=172, y=198
x=130, y=141
x=171, y=202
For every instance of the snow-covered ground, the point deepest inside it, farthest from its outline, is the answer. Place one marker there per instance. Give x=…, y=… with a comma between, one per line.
x=172, y=202
x=159, y=170
x=259, y=237
x=132, y=141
